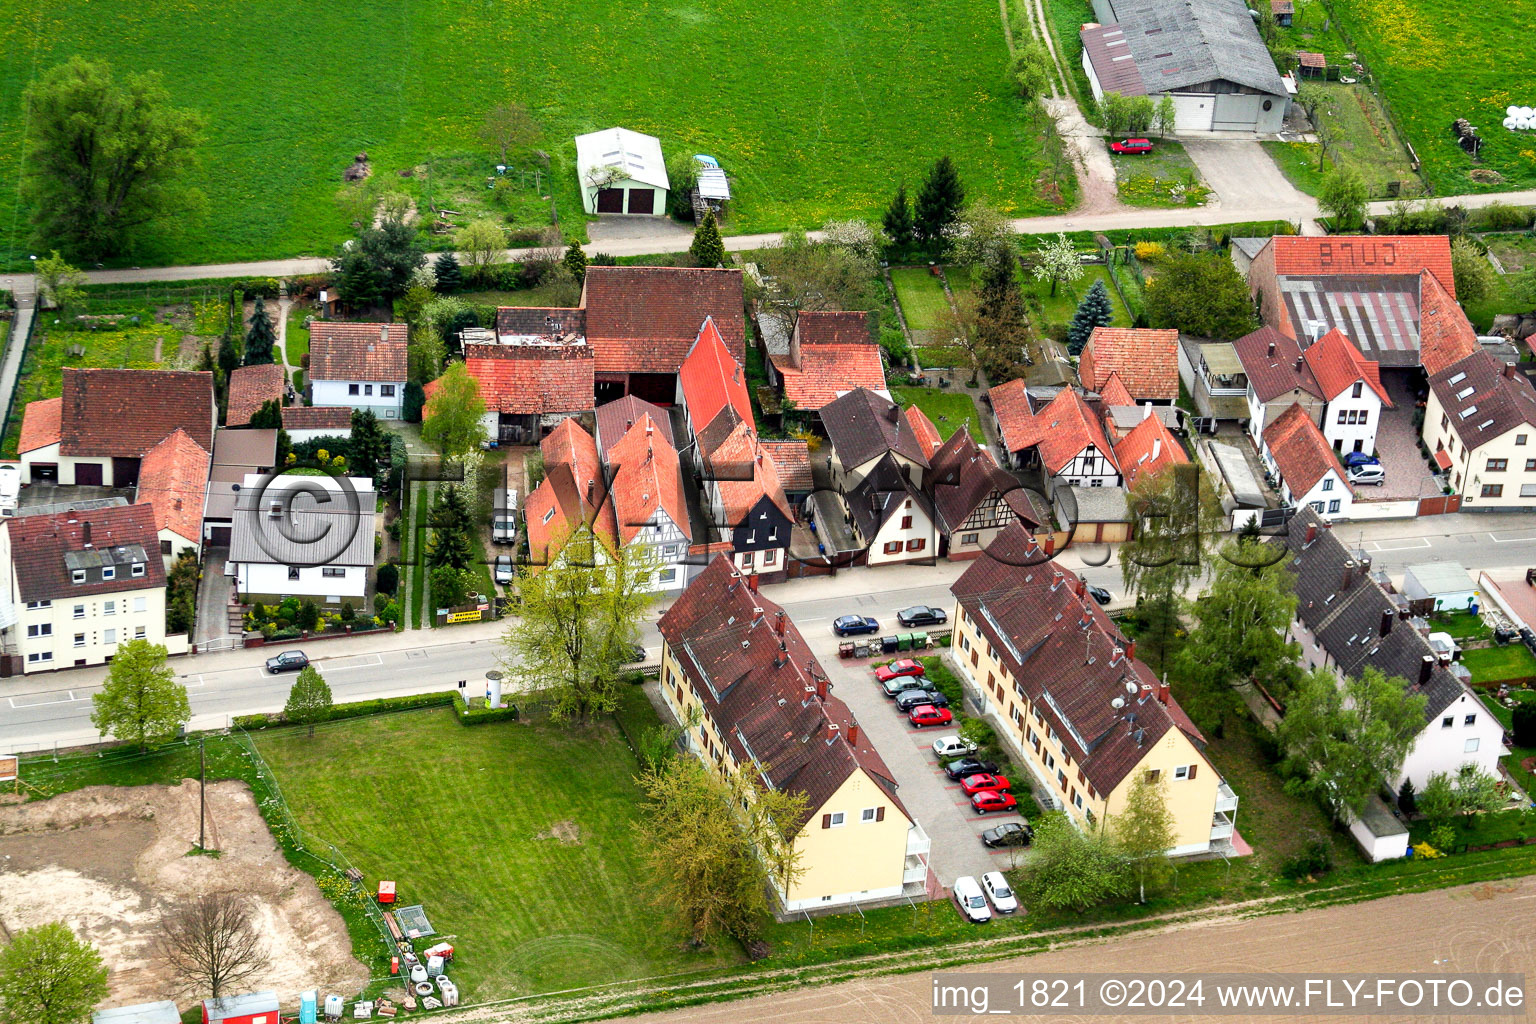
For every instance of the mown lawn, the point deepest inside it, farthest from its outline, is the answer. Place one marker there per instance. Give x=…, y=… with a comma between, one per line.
x=815, y=108
x=1058, y=308
x=537, y=875
x=922, y=297
x=1496, y=664
x=1437, y=60
x=1165, y=177
x=947, y=409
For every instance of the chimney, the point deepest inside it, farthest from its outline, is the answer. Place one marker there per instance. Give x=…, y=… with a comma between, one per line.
x=853, y=734
x=1509, y=370
x=1348, y=576
x=1426, y=669
x=1162, y=694
x=1146, y=410
x=1050, y=544
x=752, y=583
x=778, y=622
x=1311, y=535
x=85, y=532
x=893, y=413
x=1080, y=588
x=821, y=689
x=650, y=426
x=832, y=730
x=1130, y=651
x=1271, y=350
x=383, y=332
x=1298, y=364
x=1386, y=621
x=591, y=492
x=1115, y=656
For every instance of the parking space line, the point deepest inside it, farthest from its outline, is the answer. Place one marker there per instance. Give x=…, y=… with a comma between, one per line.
x=1510, y=540
x=1377, y=545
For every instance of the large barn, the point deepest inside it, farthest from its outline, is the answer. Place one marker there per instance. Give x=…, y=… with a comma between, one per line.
x=1206, y=54
x=622, y=172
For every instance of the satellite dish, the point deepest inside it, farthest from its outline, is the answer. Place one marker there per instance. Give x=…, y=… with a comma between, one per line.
x=1131, y=688
x=1117, y=703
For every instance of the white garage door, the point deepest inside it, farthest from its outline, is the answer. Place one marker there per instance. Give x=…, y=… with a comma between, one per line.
x=1236, y=112
x=1193, y=111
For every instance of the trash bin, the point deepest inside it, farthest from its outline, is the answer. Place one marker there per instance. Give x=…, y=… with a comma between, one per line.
x=861, y=649
x=845, y=649
x=889, y=644
x=921, y=641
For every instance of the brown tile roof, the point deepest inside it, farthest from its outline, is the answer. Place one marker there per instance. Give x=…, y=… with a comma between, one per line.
x=646, y=479
x=251, y=387
x=1311, y=59
x=744, y=474
x=1103, y=44
x=645, y=319
x=1484, y=398
x=1274, y=365
x=614, y=418
x=962, y=475
x=125, y=413
x=1146, y=360
x=1337, y=364
x=827, y=371
x=318, y=417
x=46, y=549
x=923, y=429
x=862, y=425
x=1060, y=430
x=792, y=459
x=41, y=424
x=357, y=351
x=1114, y=392
x=540, y=321
x=527, y=379
x=173, y=479
x=573, y=493
x=726, y=640
x=1357, y=255
x=711, y=379
x=1282, y=7
x=1070, y=669
x=1301, y=452
x=1445, y=335
x=1147, y=448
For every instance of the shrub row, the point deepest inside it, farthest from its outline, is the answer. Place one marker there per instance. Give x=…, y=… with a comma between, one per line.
x=357, y=709
x=481, y=716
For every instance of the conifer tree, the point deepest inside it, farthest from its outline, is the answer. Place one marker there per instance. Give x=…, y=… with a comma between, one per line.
x=898, y=219
x=938, y=202
x=260, y=338
x=707, y=250
x=450, y=276
x=1093, y=311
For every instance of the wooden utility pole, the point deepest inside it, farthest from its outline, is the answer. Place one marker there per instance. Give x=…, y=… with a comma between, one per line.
x=202, y=791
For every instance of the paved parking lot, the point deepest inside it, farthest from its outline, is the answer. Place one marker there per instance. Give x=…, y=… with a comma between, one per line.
x=939, y=805
x=1397, y=445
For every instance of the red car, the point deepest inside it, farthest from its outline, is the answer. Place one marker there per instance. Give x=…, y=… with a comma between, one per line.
x=904, y=667
x=1131, y=146
x=973, y=784
x=989, y=800
x=927, y=714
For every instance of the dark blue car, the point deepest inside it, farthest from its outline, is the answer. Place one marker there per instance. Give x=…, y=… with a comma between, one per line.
x=853, y=625
x=1352, y=459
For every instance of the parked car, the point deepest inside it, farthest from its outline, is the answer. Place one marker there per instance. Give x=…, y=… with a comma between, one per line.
x=904, y=667
x=637, y=654
x=1131, y=146
x=503, y=573
x=504, y=516
x=996, y=887
x=973, y=784
x=989, y=800
x=906, y=700
x=922, y=615
x=900, y=685
x=853, y=625
x=1368, y=476
x=1100, y=595
x=947, y=748
x=1359, y=459
x=958, y=770
x=1008, y=834
x=288, y=661
x=973, y=905
x=925, y=715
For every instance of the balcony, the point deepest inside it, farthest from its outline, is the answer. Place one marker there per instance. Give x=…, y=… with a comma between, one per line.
x=915, y=870
x=918, y=843
x=1226, y=800
x=1222, y=827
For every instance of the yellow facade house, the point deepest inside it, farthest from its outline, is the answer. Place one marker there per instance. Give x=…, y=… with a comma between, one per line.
x=1066, y=692
x=739, y=676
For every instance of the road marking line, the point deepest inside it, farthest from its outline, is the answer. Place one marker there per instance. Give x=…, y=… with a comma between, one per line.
x=1510, y=540
x=334, y=667
x=1379, y=546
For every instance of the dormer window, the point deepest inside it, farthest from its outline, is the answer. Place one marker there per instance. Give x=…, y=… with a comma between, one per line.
x=77, y=576
x=137, y=570
x=108, y=572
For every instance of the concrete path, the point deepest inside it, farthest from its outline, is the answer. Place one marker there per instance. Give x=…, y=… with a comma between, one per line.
x=15, y=344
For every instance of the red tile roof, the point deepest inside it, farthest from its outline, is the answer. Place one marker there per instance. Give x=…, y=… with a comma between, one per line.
x=1114, y=392
x=646, y=479
x=645, y=319
x=726, y=639
x=1337, y=364
x=1301, y=452
x=744, y=474
x=829, y=370
x=1147, y=362
x=318, y=417
x=357, y=351
x=125, y=413
x=41, y=424
x=251, y=387
x=1010, y=405
x=173, y=479
x=1445, y=335
x=572, y=494
x=792, y=459
x=1311, y=59
x=1060, y=430
x=922, y=427
x=1274, y=364
x=1356, y=255
x=712, y=379
x=1147, y=448
x=122, y=534
x=523, y=380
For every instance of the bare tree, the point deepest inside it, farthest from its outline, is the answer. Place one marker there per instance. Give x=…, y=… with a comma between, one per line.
x=211, y=943
x=509, y=126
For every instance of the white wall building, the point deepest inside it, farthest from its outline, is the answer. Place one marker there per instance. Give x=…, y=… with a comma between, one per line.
x=303, y=536
x=358, y=365
x=622, y=172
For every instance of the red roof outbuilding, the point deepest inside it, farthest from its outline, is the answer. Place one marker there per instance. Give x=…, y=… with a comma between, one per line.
x=1146, y=361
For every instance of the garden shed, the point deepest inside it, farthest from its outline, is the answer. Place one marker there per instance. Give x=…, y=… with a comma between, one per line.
x=1437, y=586
x=622, y=172
x=251, y=1008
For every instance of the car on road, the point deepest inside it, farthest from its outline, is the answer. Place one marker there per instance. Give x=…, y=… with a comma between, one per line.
x=1099, y=594
x=925, y=715
x=906, y=700
x=958, y=770
x=503, y=569
x=1007, y=834
x=922, y=615
x=973, y=784
x=947, y=748
x=904, y=667
x=853, y=625
x=637, y=654
x=996, y=887
x=1368, y=476
x=288, y=661
x=969, y=898
x=1359, y=459
x=989, y=800
x=1131, y=146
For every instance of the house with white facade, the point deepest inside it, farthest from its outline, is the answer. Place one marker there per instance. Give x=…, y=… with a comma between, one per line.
x=79, y=583
x=1308, y=469
x=1278, y=378
x=892, y=518
x=358, y=365
x=1345, y=622
x=1352, y=391
x=309, y=537
x=863, y=427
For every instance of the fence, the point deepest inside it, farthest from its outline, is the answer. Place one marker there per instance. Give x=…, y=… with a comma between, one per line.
x=20, y=335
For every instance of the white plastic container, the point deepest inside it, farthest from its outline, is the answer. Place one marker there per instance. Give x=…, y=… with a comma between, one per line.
x=418, y=973
x=334, y=1006
x=434, y=966
x=450, y=992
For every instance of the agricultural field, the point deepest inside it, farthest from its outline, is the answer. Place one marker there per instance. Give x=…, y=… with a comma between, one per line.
x=1437, y=60
x=817, y=109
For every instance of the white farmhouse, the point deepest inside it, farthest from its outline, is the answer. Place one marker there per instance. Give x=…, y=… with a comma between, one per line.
x=360, y=366
x=1310, y=473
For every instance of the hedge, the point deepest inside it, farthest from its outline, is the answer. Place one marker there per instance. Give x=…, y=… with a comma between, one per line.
x=481, y=716
x=356, y=709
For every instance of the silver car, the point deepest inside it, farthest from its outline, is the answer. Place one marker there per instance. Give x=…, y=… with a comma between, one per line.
x=503, y=571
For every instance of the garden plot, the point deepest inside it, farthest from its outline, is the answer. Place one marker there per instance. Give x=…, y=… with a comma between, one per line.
x=112, y=862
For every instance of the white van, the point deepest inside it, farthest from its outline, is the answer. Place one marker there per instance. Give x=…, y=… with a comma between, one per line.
x=504, y=518
x=972, y=904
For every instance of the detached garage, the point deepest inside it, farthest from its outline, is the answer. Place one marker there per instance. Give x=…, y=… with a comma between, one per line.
x=622, y=172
